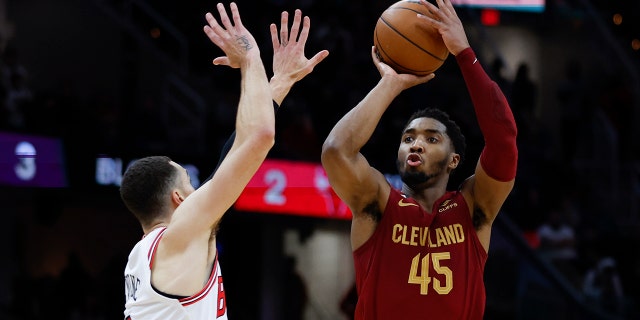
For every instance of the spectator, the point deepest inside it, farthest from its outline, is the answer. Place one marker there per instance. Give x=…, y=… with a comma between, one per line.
x=17, y=94
x=524, y=93
x=570, y=96
x=497, y=73
x=558, y=244
x=603, y=286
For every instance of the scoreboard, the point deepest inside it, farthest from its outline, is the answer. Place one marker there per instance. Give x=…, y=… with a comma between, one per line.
x=31, y=161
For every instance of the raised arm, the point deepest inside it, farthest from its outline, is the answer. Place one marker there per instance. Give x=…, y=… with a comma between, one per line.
x=289, y=63
x=187, y=251
x=350, y=175
x=495, y=172
x=197, y=216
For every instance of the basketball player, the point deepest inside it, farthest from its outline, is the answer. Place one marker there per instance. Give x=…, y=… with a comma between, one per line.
x=419, y=252
x=173, y=271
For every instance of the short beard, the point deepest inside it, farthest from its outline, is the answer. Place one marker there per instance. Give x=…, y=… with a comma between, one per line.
x=415, y=179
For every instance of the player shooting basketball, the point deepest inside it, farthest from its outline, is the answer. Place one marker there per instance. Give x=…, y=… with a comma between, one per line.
x=420, y=252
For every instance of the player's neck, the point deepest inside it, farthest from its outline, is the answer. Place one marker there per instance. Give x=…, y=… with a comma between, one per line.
x=148, y=229
x=425, y=196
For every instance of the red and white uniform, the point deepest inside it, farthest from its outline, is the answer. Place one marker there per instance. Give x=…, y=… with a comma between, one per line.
x=420, y=265
x=145, y=302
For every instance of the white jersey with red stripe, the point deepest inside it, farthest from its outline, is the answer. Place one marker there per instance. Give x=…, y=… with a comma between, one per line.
x=145, y=302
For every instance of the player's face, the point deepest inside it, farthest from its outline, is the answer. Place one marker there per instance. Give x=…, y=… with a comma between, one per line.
x=425, y=152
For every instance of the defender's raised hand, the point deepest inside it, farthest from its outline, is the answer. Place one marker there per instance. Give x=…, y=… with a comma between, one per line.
x=233, y=38
x=289, y=62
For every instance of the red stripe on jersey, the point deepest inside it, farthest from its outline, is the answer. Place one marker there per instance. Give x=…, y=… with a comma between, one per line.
x=203, y=293
x=154, y=246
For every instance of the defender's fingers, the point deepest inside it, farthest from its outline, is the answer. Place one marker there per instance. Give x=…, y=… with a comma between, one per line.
x=224, y=61
x=304, y=34
x=213, y=36
x=275, y=42
x=284, y=28
x=235, y=13
x=224, y=18
x=295, y=26
x=318, y=57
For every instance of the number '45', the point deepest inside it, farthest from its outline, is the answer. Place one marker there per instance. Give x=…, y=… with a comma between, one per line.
x=423, y=279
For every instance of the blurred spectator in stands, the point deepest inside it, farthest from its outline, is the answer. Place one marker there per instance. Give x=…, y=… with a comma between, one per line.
x=107, y=122
x=299, y=139
x=11, y=65
x=558, y=244
x=617, y=101
x=570, y=96
x=524, y=95
x=497, y=73
x=17, y=94
x=74, y=286
x=146, y=123
x=603, y=286
x=535, y=163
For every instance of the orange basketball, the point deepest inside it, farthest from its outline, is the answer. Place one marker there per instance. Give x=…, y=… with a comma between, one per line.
x=405, y=46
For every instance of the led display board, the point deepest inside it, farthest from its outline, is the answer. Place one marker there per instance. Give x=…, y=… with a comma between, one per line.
x=31, y=161
x=292, y=187
x=515, y=5
x=109, y=171
x=278, y=187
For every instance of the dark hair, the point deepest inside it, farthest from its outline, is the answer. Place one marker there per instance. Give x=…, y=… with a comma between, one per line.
x=453, y=130
x=145, y=185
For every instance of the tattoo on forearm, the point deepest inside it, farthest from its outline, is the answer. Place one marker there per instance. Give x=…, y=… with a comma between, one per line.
x=243, y=41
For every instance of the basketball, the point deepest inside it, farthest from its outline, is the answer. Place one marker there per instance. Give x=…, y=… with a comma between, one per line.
x=405, y=46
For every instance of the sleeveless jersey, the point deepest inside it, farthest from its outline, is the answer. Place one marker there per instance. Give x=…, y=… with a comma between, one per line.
x=144, y=302
x=418, y=265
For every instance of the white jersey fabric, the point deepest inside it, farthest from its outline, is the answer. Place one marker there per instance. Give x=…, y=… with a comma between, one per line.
x=143, y=302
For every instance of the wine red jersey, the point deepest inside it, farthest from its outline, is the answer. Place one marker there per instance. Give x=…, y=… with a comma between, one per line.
x=420, y=265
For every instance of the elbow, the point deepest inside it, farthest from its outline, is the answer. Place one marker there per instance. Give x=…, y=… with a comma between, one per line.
x=261, y=141
x=330, y=151
x=266, y=138
x=335, y=156
x=258, y=138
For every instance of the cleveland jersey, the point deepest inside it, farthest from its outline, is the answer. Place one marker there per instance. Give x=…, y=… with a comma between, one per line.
x=420, y=265
x=145, y=302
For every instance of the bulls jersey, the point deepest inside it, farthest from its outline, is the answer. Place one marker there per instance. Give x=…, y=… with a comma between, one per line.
x=144, y=302
x=420, y=265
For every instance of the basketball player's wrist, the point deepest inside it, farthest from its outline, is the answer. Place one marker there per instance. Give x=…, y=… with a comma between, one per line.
x=466, y=55
x=279, y=88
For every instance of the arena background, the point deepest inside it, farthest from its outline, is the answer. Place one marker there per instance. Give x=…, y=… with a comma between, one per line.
x=105, y=82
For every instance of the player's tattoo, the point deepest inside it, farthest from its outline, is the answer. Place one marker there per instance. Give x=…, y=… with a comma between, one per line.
x=242, y=40
x=284, y=43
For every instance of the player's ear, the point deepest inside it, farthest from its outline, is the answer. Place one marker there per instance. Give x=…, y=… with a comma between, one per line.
x=176, y=197
x=454, y=161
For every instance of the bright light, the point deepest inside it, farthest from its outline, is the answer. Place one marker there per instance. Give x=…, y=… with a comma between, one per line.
x=617, y=19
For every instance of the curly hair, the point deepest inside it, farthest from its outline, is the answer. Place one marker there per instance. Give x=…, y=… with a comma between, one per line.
x=453, y=130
